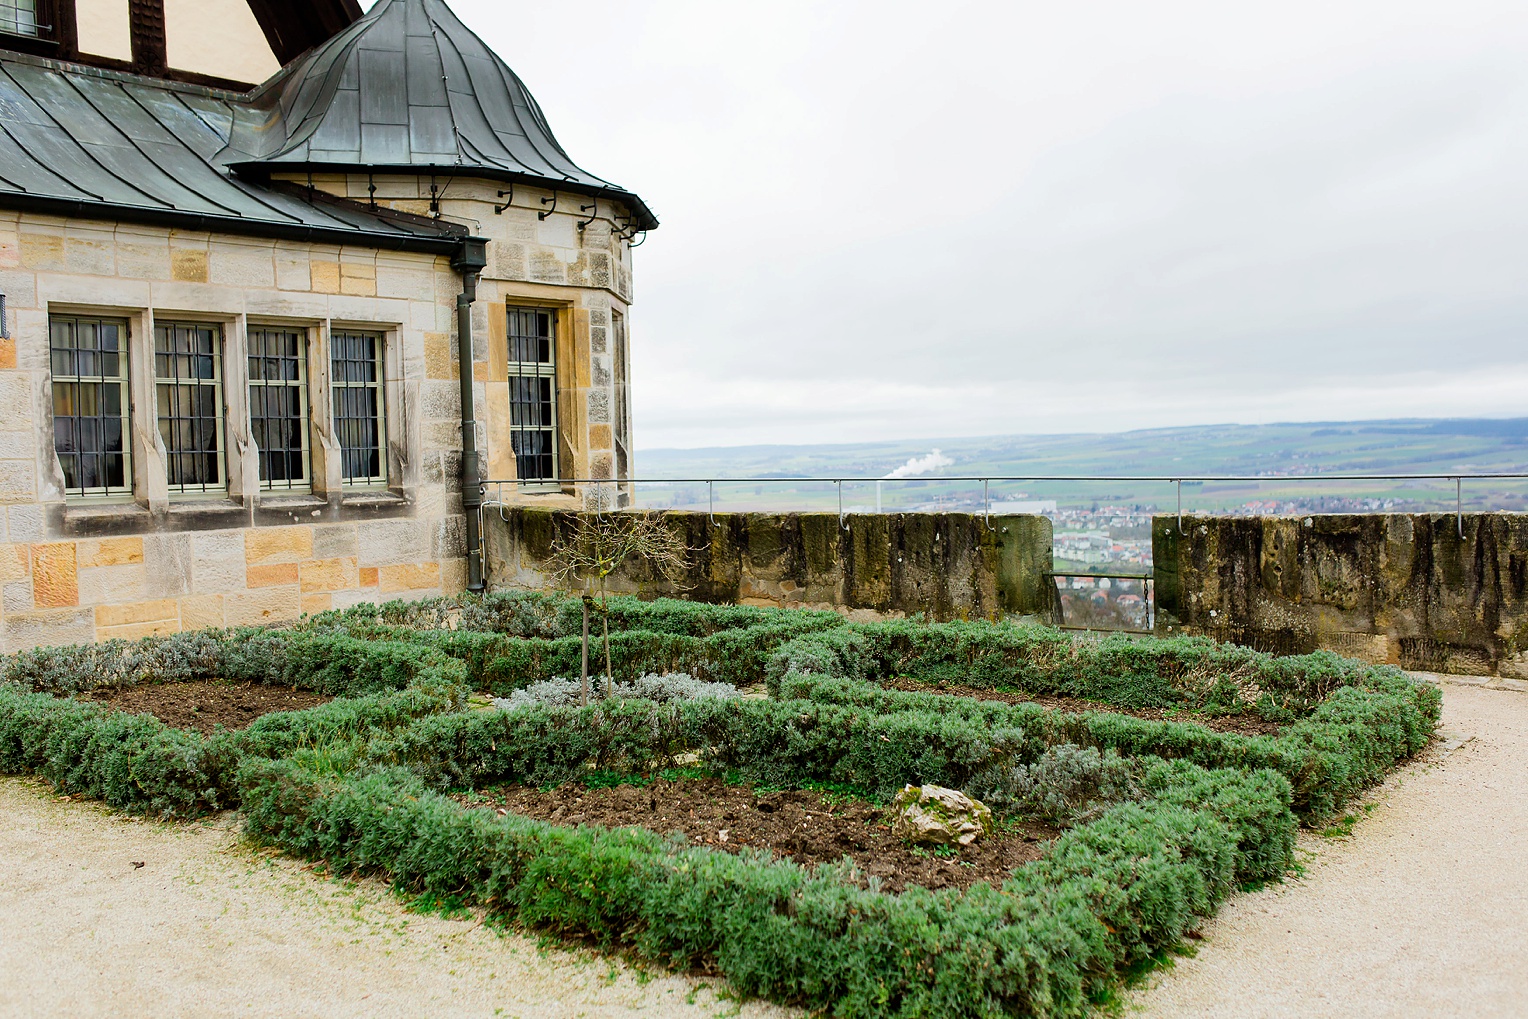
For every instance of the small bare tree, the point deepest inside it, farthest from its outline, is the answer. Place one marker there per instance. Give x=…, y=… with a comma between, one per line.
x=601, y=542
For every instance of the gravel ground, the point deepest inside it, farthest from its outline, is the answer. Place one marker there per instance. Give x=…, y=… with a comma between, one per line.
x=207, y=926
x=1421, y=911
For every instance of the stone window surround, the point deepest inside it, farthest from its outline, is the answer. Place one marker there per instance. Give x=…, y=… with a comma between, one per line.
x=566, y=334
x=153, y=508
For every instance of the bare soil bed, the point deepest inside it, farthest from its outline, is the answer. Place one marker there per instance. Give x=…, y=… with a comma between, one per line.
x=205, y=704
x=1244, y=724
x=807, y=827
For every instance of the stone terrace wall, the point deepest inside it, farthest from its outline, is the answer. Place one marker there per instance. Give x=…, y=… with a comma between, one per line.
x=947, y=565
x=1387, y=588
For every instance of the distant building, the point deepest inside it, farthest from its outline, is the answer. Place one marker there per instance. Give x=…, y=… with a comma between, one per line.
x=1045, y=507
x=240, y=314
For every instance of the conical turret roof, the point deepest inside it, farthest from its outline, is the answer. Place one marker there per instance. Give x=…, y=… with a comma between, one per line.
x=409, y=88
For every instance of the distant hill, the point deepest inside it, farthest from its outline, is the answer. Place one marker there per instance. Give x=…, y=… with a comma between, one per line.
x=1281, y=452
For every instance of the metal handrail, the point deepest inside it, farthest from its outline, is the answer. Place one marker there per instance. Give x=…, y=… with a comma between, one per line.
x=986, y=480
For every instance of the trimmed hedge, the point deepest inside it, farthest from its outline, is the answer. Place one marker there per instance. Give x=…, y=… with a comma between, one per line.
x=1349, y=742
x=1106, y=895
x=357, y=782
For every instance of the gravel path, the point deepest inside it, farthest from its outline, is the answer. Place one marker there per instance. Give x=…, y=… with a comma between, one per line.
x=1422, y=911
x=207, y=926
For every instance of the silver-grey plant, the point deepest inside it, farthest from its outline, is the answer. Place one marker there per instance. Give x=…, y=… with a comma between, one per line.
x=673, y=686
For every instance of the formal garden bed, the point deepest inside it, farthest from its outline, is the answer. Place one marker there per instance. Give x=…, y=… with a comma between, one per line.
x=204, y=705
x=805, y=826
x=1141, y=825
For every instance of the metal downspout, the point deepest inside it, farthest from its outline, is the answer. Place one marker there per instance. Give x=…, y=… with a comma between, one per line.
x=469, y=260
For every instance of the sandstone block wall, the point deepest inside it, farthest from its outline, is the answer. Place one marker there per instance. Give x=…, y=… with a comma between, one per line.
x=946, y=565
x=536, y=258
x=1394, y=588
x=75, y=570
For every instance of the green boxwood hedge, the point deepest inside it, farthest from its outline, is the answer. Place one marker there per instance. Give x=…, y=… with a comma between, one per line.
x=359, y=782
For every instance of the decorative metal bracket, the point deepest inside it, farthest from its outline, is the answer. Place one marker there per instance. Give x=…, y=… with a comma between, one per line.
x=498, y=210
x=638, y=244
x=544, y=213
x=622, y=228
x=593, y=210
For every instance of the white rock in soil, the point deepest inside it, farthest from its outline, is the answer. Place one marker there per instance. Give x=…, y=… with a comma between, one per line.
x=932, y=815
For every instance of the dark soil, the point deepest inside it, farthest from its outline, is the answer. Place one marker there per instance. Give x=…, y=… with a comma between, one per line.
x=202, y=704
x=804, y=826
x=1244, y=724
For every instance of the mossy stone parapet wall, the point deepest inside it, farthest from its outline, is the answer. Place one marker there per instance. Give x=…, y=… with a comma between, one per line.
x=944, y=565
x=1397, y=588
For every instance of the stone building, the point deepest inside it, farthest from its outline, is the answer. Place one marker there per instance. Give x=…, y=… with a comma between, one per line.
x=236, y=314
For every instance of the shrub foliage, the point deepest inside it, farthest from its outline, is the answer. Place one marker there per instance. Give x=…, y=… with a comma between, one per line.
x=1164, y=818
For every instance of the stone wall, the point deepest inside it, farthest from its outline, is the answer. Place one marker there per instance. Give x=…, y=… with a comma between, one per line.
x=1388, y=588
x=947, y=565
x=74, y=570
x=543, y=259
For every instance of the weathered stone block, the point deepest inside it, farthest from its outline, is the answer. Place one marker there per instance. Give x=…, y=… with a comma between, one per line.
x=36, y=629
x=138, y=612
x=313, y=604
x=110, y=552
x=271, y=574
x=217, y=562
x=325, y=276
x=201, y=612
x=167, y=564
x=15, y=562
x=55, y=575
x=358, y=280
x=188, y=265
x=267, y=605
x=335, y=541
x=410, y=577
x=137, y=631
x=397, y=543
x=101, y=585
x=329, y=575
x=278, y=545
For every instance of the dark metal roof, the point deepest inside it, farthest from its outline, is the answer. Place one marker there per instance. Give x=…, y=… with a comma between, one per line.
x=107, y=145
x=407, y=88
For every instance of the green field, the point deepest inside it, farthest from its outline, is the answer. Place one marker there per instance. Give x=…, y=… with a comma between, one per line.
x=1286, y=453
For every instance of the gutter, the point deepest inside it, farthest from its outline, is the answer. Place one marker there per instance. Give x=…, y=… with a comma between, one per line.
x=438, y=244
x=469, y=259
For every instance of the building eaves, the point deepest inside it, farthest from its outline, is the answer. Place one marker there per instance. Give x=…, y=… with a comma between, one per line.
x=112, y=146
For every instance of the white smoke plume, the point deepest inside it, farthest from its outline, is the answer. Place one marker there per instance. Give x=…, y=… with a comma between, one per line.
x=922, y=465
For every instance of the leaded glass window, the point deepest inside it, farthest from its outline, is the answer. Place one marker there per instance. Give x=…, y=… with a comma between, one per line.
x=622, y=397
x=188, y=381
x=278, y=405
x=90, y=405
x=533, y=393
x=356, y=380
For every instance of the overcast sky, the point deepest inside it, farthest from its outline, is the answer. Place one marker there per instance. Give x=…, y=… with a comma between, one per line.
x=898, y=220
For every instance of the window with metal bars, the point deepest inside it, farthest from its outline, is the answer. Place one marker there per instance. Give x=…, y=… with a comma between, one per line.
x=533, y=393
x=278, y=405
x=622, y=397
x=356, y=380
x=90, y=405
x=188, y=383
x=26, y=17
